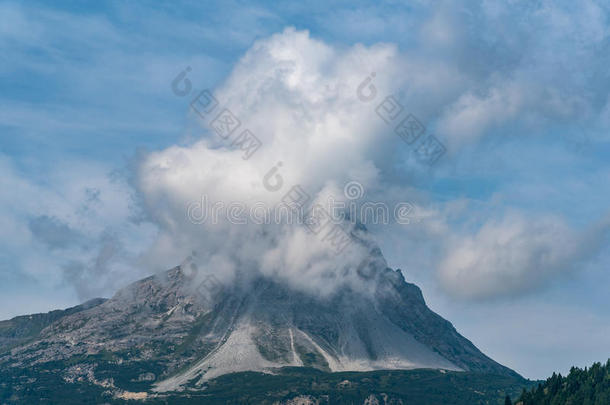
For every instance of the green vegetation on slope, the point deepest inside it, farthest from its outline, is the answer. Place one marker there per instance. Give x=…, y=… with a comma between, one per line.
x=45, y=383
x=581, y=387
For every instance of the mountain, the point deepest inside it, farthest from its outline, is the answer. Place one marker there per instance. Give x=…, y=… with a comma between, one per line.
x=20, y=329
x=166, y=334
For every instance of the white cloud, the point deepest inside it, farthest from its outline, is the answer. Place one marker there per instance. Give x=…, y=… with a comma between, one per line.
x=472, y=115
x=298, y=96
x=515, y=255
x=75, y=217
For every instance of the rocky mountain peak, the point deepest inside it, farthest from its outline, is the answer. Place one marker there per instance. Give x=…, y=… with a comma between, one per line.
x=186, y=328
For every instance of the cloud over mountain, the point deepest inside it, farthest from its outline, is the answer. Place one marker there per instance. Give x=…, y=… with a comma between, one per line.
x=515, y=255
x=298, y=96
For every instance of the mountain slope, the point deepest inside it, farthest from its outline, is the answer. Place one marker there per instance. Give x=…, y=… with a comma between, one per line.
x=162, y=335
x=20, y=329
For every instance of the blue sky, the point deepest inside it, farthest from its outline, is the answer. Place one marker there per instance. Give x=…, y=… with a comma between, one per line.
x=518, y=93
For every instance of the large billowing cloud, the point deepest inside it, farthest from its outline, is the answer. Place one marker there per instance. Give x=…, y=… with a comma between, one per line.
x=298, y=96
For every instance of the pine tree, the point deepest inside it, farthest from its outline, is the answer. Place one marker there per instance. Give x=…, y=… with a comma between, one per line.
x=507, y=401
x=588, y=386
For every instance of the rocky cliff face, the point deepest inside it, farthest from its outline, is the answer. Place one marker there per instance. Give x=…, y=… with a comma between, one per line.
x=178, y=336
